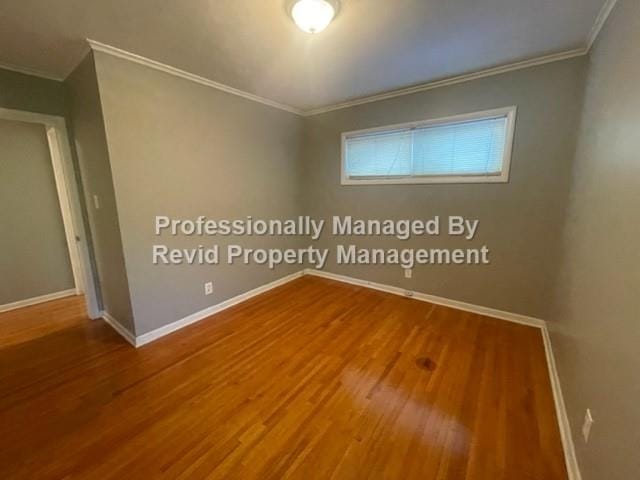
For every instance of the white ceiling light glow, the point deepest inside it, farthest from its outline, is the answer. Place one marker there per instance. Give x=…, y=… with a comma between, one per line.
x=313, y=16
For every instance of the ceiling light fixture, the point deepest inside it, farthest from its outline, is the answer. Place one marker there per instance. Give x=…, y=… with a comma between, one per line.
x=313, y=16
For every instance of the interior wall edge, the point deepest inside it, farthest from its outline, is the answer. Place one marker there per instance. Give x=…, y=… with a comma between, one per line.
x=119, y=328
x=93, y=170
x=117, y=200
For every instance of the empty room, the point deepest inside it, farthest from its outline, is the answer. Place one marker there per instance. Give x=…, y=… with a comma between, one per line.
x=320, y=239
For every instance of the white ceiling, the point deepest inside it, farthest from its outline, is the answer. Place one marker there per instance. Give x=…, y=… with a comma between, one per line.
x=372, y=46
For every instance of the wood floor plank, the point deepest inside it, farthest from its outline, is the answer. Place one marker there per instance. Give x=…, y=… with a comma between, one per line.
x=314, y=379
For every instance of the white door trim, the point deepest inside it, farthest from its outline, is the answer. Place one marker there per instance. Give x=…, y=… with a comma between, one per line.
x=65, y=205
x=69, y=198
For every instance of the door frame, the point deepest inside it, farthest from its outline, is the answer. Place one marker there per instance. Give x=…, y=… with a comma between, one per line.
x=69, y=199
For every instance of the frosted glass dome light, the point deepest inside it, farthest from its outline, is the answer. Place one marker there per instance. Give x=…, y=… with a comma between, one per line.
x=312, y=16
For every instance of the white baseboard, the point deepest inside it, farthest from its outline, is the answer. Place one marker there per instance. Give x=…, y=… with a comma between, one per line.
x=571, y=461
x=207, y=312
x=563, y=421
x=118, y=327
x=424, y=297
x=36, y=300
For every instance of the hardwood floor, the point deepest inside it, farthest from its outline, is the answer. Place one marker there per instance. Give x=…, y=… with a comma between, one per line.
x=315, y=379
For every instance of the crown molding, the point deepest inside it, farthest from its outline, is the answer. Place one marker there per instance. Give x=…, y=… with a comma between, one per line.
x=556, y=57
x=117, y=52
x=601, y=19
x=132, y=57
x=30, y=71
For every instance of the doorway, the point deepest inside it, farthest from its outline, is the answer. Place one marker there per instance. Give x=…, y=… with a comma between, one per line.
x=67, y=271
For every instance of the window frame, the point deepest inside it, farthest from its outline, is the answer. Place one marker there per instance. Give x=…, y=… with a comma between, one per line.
x=509, y=113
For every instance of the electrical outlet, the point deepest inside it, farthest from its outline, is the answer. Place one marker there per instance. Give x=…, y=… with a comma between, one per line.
x=208, y=288
x=586, y=426
x=408, y=273
x=96, y=202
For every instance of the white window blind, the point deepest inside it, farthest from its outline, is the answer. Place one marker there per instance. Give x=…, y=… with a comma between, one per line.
x=473, y=147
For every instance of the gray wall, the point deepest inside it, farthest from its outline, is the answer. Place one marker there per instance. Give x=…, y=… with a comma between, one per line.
x=182, y=149
x=595, y=328
x=521, y=221
x=35, y=258
x=33, y=94
x=88, y=134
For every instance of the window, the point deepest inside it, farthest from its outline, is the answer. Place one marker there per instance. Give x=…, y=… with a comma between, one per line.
x=471, y=148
